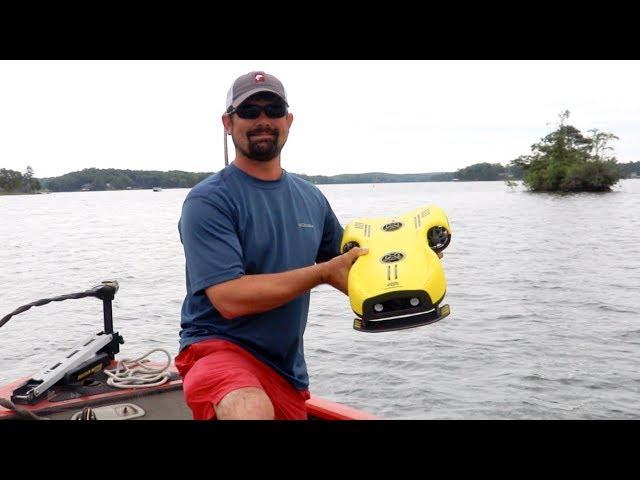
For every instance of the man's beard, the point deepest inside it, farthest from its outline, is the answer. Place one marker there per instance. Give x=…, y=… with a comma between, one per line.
x=264, y=150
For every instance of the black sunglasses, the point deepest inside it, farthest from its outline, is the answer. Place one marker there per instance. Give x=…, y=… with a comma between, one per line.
x=252, y=111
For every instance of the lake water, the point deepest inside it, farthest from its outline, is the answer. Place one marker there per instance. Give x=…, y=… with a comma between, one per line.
x=544, y=292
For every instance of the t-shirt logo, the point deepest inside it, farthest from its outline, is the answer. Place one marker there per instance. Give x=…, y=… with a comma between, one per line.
x=305, y=225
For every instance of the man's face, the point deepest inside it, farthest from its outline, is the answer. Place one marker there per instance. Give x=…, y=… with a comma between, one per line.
x=260, y=138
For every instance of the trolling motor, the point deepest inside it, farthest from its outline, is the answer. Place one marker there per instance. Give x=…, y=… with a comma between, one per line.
x=400, y=283
x=84, y=359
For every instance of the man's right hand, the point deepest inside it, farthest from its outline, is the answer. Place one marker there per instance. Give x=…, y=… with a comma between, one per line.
x=335, y=272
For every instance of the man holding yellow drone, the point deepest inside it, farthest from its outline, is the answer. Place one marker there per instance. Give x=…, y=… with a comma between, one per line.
x=257, y=240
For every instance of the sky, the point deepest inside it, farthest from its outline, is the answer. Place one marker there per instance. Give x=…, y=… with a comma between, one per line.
x=350, y=116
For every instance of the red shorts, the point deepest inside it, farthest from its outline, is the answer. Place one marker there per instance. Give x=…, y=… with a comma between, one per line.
x=212, y=368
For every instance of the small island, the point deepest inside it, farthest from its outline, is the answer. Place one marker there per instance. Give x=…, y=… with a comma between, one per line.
x=568, y=161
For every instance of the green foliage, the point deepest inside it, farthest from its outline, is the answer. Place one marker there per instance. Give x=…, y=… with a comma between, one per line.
x=565, y=160
x=482, y=172
x=591, y=176
x=378, y=177
x=630, y=170
x=114, y=179
x=12, y=181
x=479, y=172
x=514, y=171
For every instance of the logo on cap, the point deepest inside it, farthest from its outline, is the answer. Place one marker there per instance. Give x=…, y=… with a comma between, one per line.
x=260, y=78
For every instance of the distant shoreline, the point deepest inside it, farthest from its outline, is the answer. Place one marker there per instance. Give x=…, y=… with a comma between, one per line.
x=344, y=183
x=176, y=188
x=95, y=179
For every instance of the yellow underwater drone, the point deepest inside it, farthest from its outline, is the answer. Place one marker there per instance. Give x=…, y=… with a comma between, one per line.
x=400, y=282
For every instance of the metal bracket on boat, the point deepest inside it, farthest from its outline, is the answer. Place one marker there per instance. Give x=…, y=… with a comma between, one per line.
x=119, y=411
x=86, y=358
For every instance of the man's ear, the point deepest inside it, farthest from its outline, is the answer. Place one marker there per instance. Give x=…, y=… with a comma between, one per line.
x=227, y=122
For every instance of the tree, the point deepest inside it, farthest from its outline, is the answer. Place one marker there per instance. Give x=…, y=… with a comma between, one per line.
x=566, y=160
x=31, y=184
x=15, y=182
x=599, y=142
x=10, y=180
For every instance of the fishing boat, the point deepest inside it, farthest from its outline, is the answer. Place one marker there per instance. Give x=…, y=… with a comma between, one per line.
x=89, y=383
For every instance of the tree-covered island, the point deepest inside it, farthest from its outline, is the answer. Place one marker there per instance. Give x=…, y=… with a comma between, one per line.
x=568, y=161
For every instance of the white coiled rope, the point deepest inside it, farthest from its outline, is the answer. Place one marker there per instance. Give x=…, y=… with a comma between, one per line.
x=134, y=374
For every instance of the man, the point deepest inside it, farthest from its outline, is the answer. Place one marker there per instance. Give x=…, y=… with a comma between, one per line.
x=256, y=239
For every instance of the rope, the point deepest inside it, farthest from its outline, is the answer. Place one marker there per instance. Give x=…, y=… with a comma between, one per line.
x=23, y=413
x=127, y=374
x=134, y=374
x=44, y=301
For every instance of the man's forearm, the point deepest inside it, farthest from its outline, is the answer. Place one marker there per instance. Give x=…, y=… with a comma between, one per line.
x=251, y=294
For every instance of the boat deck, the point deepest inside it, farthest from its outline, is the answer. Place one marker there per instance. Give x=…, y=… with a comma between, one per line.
x=164, y=402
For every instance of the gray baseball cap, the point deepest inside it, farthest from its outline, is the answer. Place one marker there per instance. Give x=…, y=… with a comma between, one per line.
x=252, y=83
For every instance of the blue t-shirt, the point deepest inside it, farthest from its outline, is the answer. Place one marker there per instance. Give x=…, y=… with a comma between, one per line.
x=233, y=224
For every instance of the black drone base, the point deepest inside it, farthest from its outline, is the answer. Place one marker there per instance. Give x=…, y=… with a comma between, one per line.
x=401, y=323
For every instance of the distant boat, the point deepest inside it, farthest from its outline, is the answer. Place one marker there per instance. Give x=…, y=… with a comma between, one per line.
x=157, y=189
